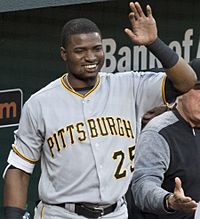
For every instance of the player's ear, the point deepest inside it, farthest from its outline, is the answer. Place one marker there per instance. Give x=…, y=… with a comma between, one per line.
x=63, y=53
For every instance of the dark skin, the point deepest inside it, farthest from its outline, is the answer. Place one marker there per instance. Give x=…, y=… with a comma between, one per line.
x=13, y=197
x=83, y=49
x=144, y=32
x=84, y=57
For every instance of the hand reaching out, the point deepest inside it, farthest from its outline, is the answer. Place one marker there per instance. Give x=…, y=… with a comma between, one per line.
x=144, y=29
x=178, y=201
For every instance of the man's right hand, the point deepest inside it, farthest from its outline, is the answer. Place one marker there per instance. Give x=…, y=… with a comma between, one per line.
x=178, y=201
x=143, y=27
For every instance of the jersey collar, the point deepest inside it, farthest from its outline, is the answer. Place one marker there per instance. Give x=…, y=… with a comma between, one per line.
x=77, y=93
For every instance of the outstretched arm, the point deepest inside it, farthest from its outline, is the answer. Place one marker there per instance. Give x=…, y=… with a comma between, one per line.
x=144, y=32
x=15, y=193
x=178, y=201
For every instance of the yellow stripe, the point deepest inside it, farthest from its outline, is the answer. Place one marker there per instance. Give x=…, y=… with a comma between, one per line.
x=22, y=156
x=163, y=90
x=42, y=213
x=78, y=94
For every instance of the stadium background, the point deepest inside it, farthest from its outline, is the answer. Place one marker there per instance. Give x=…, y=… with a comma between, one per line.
x=30, y=39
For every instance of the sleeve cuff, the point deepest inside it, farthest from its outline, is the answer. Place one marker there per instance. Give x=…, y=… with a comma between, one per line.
x=165, y=204
x=20, y=163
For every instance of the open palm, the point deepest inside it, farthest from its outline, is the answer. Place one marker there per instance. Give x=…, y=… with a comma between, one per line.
x=144, y=29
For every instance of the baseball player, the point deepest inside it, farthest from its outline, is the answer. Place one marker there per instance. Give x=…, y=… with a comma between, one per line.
x=83, y=126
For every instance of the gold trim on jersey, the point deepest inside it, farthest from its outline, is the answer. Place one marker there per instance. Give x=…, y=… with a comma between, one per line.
x=42, y=212
x=74, y=92
x=22, y=156
x=163, y=90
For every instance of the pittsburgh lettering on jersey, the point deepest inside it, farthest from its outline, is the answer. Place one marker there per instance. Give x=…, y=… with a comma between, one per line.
x=94, y=127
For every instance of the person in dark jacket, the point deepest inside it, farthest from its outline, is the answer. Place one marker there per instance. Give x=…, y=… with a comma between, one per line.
x=166, y=179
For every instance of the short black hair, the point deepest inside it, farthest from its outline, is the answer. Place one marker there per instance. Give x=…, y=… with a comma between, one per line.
x=77, y=26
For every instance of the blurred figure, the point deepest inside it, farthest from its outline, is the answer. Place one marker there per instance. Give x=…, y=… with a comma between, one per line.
x=133, y=211
x=166, y=179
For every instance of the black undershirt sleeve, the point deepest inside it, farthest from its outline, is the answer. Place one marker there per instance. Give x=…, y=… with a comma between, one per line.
x=170, y=91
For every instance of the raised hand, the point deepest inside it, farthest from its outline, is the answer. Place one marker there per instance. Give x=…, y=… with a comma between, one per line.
x=144, y=29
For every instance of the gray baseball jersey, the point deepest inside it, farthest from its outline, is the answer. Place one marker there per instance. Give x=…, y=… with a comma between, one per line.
x=86, y=143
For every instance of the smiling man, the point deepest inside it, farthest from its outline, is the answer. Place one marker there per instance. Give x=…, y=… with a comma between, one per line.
x=83, y=126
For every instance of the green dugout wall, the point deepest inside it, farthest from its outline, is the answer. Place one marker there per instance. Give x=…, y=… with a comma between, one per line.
x=29, y=50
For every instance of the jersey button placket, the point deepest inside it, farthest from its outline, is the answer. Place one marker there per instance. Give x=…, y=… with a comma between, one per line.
x=95, y=145
x=99, y=166
x=100, y=170
x=87, y=107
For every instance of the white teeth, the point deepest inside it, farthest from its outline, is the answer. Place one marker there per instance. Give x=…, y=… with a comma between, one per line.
x=91, y=66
